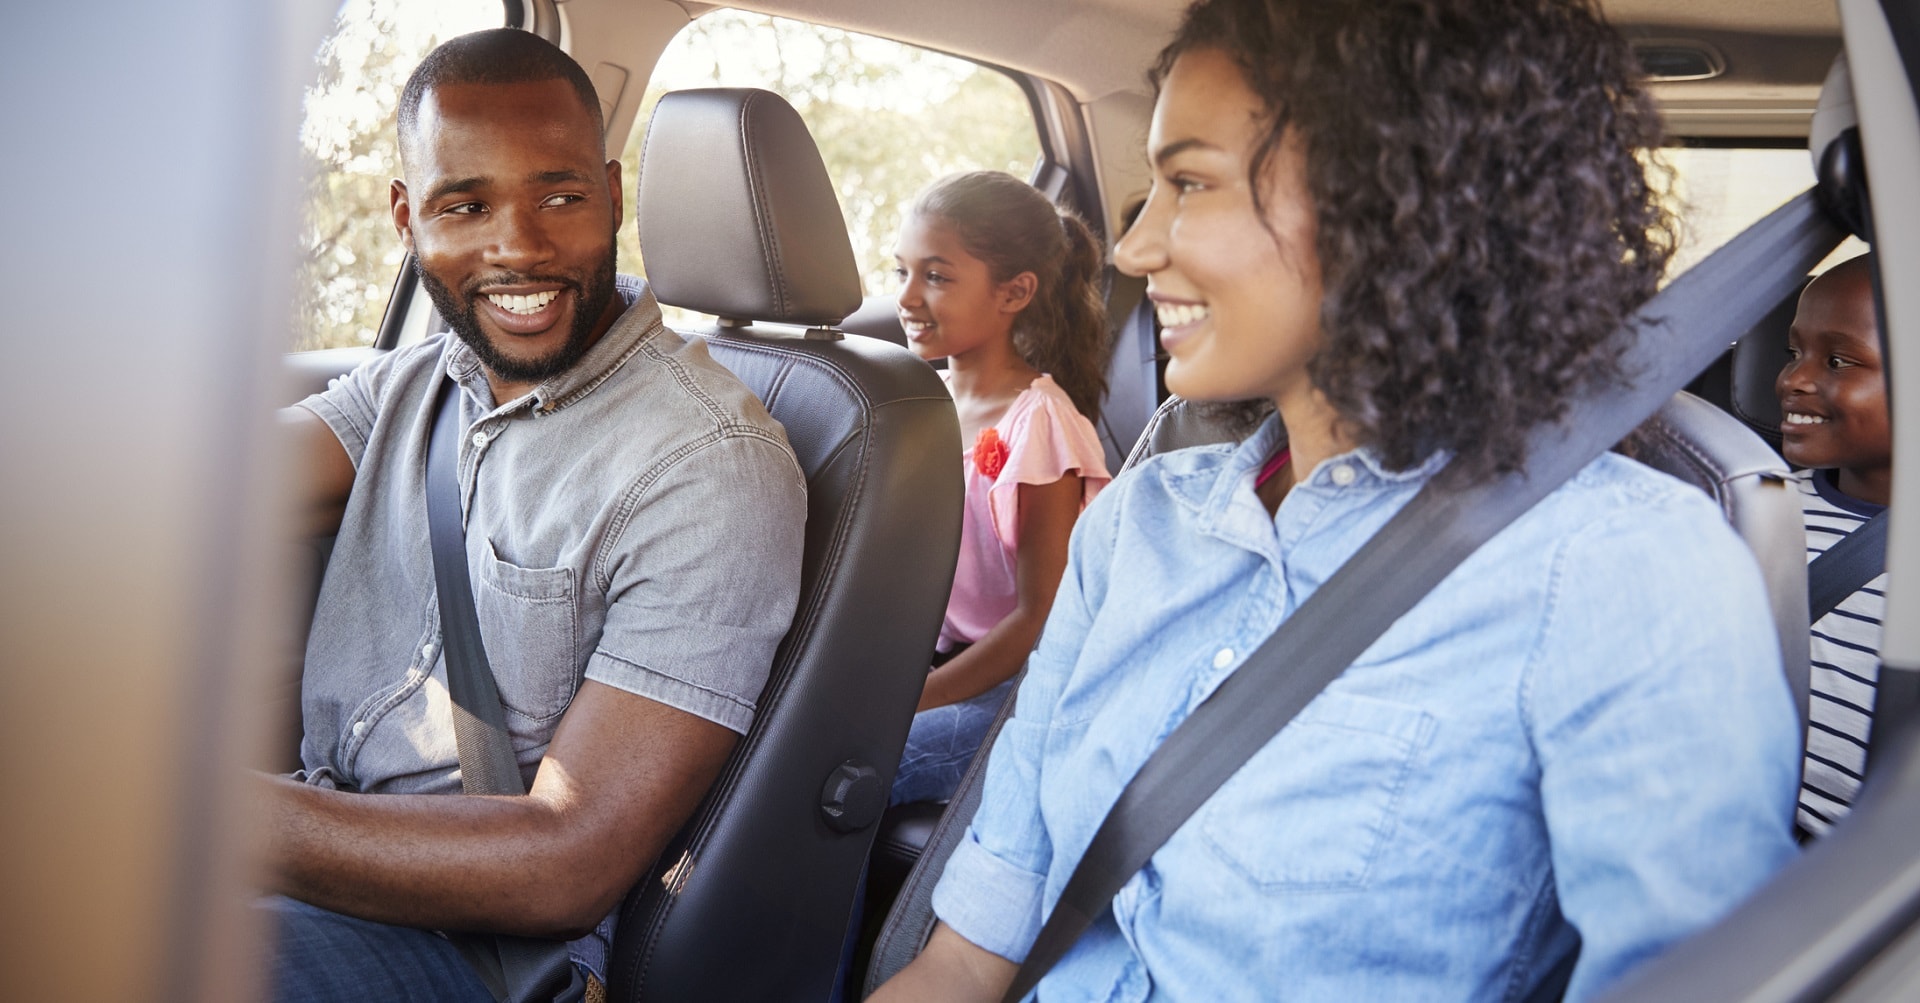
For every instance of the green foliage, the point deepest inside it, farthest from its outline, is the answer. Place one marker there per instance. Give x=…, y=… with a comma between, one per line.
x=349, y=254
x=888, y=118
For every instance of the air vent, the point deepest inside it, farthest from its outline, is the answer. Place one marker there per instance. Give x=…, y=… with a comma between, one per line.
x=1666, y=60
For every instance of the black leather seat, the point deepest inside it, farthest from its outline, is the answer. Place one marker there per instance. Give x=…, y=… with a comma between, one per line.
x=752, y=901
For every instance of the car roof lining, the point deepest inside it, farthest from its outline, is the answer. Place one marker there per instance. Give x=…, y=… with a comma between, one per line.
x=1098, y=47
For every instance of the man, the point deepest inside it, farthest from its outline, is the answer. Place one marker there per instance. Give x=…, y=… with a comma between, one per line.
x=633, y=535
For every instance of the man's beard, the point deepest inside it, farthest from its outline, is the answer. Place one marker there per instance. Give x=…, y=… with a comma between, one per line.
x=462, y=315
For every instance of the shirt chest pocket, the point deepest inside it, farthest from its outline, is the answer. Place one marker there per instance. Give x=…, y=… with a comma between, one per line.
x=528, y=623
x=1313, y=809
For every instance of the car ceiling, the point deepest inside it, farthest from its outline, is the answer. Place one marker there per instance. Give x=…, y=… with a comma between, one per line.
x=1775, y=51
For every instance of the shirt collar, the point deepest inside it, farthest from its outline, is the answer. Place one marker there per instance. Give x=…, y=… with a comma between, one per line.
x=1216, y=492
x=630, y=331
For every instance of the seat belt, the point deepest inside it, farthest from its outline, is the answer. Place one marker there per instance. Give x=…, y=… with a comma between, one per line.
x=1678, y=333
x=515, y=969
x=1846, y=567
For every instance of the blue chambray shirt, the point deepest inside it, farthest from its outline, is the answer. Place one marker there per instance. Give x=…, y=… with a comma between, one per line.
x=1582, y=735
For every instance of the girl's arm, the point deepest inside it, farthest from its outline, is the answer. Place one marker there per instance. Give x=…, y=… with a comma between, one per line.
x=1047, y=513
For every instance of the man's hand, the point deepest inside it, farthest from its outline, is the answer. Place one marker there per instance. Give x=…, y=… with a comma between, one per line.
x=622, y=775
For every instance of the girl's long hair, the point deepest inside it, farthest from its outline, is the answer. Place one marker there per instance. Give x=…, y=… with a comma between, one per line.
x=1010, y=226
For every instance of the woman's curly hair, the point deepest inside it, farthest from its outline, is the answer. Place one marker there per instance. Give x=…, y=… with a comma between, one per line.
x=1485, y=221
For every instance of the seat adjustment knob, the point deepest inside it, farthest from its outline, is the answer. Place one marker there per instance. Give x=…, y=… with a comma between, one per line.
x=852, y=797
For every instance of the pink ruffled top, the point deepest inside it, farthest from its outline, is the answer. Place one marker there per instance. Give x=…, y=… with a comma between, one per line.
x=1045, y=439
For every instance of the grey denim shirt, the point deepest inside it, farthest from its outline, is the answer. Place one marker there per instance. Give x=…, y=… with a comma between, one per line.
x=636, y=520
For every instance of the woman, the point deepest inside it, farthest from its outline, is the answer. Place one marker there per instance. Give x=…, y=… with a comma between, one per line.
x=1410, y=233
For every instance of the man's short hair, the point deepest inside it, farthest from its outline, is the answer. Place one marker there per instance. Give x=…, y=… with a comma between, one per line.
x=493, y=56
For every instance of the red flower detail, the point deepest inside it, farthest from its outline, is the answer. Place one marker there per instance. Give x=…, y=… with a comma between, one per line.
x=989, y=453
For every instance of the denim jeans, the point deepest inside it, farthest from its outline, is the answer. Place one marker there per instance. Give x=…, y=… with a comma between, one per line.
x=941, y=744
x=325, y=957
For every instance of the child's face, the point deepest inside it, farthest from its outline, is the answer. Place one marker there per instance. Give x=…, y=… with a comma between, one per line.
x=949, y=302
x=1833, y=395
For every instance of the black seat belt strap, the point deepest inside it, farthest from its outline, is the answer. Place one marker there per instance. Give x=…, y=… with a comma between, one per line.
x=1846, y=567
x=1412, y=553
x=515, y=969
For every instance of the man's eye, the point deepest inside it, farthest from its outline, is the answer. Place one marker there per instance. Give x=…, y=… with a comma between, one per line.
x=568, y=198
x=1836, y=362
x=464, y=209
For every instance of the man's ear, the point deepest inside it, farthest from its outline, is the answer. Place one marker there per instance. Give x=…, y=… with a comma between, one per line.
x=1017, y=292
x=402, y=211
x=617, y=193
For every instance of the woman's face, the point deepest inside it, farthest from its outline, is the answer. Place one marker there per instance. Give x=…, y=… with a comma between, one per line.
x=1238, y=296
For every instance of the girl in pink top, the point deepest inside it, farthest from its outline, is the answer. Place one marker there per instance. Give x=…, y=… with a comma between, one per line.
x=1002, y=284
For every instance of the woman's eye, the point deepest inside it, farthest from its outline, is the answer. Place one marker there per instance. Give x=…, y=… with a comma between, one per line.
x=936, y=278
x=1836, y=362
x=899, y=274
x=1185, y=185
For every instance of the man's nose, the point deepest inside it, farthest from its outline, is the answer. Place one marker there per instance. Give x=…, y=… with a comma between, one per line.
x=521, y=241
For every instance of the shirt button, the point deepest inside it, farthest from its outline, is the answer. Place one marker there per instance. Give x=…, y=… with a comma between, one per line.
x=359, y=729
x=1223, y=658
x=479, y=438
x=1343, y=475
x=427, y=652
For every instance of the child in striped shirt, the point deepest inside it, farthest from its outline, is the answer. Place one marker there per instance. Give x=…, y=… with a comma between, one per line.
x=1833, y=403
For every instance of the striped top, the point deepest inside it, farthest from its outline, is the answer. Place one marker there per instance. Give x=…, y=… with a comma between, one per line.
x=1845, y=654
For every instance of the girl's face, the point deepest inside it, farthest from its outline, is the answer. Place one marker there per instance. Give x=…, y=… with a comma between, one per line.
x=1237, y=294
x=949, y=303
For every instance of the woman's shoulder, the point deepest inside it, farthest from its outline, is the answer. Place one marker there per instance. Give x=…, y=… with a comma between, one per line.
x=1618, y=510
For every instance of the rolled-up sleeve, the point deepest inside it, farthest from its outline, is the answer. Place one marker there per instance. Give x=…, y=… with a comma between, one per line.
x=703, y=576
x=351, y=402
x=995, y=888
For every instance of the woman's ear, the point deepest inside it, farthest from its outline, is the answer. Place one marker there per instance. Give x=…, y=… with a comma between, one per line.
x=1017, y=292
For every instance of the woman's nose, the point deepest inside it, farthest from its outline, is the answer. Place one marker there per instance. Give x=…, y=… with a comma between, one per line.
x=1142, y=250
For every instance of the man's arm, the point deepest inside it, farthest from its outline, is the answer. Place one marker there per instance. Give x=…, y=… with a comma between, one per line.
x=622, y=775
x=321, y=469
x=952, y=969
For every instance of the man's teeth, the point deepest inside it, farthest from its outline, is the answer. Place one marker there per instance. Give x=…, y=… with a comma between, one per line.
x=524, y=304
x=1804, y=419
x=1180, y=314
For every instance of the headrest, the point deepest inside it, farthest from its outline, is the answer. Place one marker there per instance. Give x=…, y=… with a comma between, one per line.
x=1833, y=138
x=737, y=217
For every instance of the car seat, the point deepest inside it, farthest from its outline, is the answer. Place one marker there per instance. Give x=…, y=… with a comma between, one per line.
x=1688, y=438
x=753, y=899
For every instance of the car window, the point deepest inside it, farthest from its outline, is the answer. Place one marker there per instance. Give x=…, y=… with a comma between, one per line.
x=888, y=118
x=1721, y=190
x=348, y=253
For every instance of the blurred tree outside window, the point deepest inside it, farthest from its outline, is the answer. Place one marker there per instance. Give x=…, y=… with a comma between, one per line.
x=349, y=253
